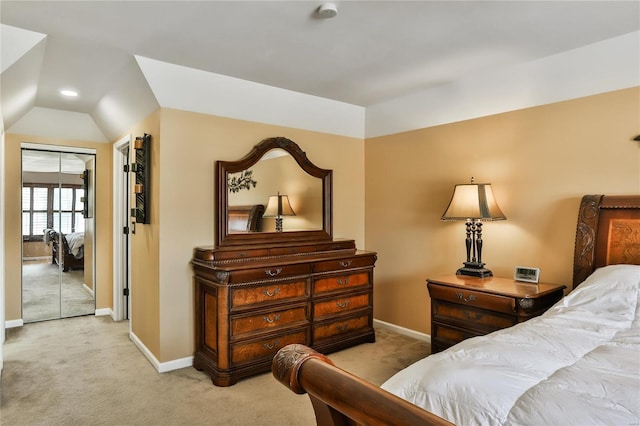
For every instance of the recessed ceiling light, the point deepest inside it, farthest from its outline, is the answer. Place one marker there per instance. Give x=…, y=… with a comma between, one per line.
x=69, y=93
x=327, y=11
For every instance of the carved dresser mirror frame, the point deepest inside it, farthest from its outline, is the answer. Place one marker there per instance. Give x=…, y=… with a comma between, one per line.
x=223, y=168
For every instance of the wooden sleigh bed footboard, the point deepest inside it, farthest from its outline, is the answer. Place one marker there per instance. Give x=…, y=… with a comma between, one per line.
x=340, y=398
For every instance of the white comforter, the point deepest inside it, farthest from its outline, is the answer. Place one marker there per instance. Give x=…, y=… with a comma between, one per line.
x=579, y=363
x=76, y=244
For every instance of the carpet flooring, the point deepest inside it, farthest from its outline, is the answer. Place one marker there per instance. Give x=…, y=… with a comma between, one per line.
x=49, y=293
x=86, y=371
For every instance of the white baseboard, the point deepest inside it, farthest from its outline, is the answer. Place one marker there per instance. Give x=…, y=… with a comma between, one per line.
x=401, y=330
x=88, y=289
x=35, y=258
x=13, y=323
x=161, y=367
x=103, y=312
x=176, y=364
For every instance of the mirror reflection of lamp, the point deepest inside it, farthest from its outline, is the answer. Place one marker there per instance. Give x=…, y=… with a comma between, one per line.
x=278, y=206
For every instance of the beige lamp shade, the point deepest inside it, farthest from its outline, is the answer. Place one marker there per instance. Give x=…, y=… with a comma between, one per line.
x=473, y=201
x=277, y=206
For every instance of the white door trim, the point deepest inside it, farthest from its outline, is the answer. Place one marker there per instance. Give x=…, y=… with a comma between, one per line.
x=119, y=222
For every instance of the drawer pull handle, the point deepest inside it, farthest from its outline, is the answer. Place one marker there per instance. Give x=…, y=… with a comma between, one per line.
x=342, y=327
x=271, y=293
x=476, y=317
x=271, y=319
x=343, y=305
x=343, y=281
x=345, y=263
x=272, y=272
x=471, y=297
x=271, y=345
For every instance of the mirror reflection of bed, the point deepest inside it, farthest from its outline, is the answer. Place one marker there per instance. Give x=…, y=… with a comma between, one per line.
x=245, y=218
x=57, y=267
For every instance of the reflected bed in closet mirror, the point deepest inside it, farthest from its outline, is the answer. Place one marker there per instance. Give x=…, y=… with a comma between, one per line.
x=274, y=166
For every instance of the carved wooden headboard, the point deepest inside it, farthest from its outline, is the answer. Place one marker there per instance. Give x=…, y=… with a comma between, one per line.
x=245, y=218
x=608, y=233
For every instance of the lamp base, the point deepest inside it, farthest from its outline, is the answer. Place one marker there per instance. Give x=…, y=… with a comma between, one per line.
x=474, y=269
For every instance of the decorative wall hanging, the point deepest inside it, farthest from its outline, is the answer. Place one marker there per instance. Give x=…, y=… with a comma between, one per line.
x=141, y=168
x=86, y=177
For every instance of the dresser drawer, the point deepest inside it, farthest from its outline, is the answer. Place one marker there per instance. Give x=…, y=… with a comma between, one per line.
x=242, y=353
x=469, y=317
x=344, y=326
x=280, y=251
x=336, y=245
x=345, y=263
x=340, y=282
x=241, y=254
x=251, y=323
x=340, y=304
x=473, y=298
x=269, y=272
x=245, y=296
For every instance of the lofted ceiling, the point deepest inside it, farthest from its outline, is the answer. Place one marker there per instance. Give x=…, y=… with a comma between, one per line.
x=371, y=52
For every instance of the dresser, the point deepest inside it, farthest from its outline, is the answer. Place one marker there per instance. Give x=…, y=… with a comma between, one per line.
x=464, y=306
x=250, y=301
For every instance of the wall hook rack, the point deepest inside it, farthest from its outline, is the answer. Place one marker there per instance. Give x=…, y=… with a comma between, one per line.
x=141, y=169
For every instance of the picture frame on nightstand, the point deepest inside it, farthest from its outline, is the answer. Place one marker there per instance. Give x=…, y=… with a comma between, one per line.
x=526, y=274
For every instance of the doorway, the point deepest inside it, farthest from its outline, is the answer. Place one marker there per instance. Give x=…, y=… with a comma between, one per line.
x=122, y=230
x=58, y=229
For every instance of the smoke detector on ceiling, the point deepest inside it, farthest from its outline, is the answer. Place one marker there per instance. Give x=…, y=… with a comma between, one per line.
x=327, y=10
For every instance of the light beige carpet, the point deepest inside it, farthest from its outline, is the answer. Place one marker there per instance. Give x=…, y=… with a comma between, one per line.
x=86, y=371
x=49, y=293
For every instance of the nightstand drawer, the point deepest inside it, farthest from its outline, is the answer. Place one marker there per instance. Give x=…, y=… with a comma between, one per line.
x=446, y=336
x=470, y=317
x=473, y=298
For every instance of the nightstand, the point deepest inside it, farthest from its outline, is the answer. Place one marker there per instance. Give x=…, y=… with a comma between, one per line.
x=464, y=306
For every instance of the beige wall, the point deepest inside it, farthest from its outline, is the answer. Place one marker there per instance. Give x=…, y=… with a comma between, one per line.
x=191, y=144
x=36, y=249
x=540, y=161
x=145, y=246
x=12, y=206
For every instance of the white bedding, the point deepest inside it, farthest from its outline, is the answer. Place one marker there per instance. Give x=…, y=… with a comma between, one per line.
x=76, y=244
x=579, y=363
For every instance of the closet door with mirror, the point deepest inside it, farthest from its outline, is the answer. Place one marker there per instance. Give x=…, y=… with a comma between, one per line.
x=57, y=234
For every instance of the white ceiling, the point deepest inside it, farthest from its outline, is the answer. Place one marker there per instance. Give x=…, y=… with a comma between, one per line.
x=373, y=51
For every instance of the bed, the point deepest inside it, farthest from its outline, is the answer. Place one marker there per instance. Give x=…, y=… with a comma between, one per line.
x=578, y=363
x=245, y=218
x=66, y=249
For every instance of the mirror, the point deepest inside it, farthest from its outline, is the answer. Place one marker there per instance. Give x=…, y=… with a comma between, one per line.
x=274, y=194
x=58, y=228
